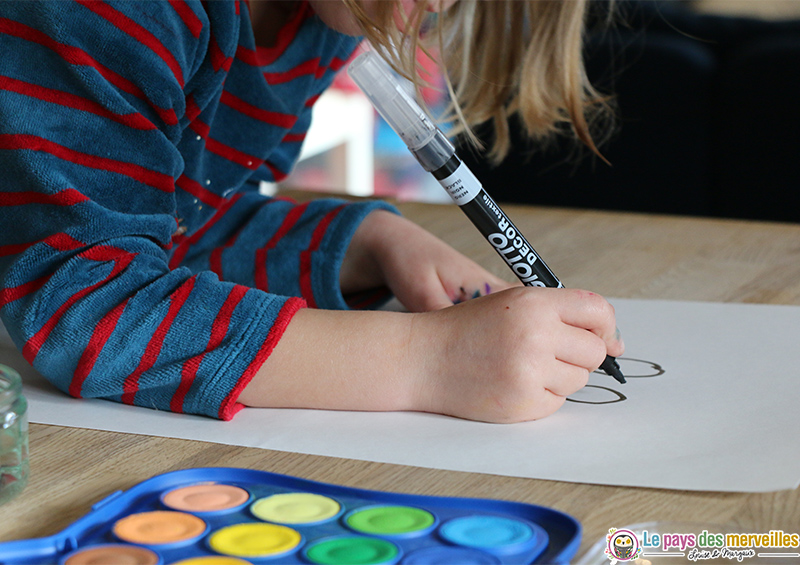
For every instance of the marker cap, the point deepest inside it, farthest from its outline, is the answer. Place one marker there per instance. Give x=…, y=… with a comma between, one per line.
x=397, y=106
x=393, y=102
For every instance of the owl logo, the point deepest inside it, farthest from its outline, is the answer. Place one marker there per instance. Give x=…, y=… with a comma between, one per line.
x=623, y=545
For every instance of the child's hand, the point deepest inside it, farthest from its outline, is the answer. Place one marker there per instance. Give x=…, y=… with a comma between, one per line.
x=514, y=355
x=423, y=272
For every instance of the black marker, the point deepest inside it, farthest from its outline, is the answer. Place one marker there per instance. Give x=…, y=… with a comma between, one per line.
x=438, y=156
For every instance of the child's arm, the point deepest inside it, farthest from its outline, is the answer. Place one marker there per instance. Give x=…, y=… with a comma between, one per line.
x=422, y=271
x=131, y=267
x=511, y=356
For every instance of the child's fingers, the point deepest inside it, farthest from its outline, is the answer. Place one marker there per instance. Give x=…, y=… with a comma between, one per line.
x=567, y=379
x=548, y=404
x=617, y=346
x=426, y=295
x=581, y=348
x=589, y=311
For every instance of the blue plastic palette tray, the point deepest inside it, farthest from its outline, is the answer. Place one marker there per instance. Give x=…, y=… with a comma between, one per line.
x=228, y=516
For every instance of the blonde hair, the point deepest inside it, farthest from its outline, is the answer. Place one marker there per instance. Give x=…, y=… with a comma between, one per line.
x=499, y=57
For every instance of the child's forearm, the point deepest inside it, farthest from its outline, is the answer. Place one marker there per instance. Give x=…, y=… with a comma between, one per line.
x=341, y=361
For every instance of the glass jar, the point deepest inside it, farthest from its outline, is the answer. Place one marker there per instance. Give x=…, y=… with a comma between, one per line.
x=13, y=435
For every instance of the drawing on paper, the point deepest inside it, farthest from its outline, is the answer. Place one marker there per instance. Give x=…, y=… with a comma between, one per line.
x=631, y=368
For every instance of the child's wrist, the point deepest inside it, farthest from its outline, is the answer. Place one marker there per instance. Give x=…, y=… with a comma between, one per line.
x=425, y=362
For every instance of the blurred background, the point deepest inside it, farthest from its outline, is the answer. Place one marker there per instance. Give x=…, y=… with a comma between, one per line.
x=707, y=122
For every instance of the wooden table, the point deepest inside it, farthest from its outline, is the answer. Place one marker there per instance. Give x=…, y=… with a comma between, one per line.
x=767, y=9
x=615, y=254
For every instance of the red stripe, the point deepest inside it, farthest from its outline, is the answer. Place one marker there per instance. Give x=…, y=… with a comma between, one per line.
x=312, y=100
x=133, y=120
x=105, y=253
x=131, y=385
x=305, y=256
x=189, y=18
x=260, y=274
x=199, y=191
x=337, y=64
x=263, y=56
x=188, y=374
x=277, y=174
x=6, y=250
x=59, y=241
x=137, y=32
x=288, y=223
x=70, y=54
x=149, y=177
x=66, y=197
x=31, y=348
x=247, y=56
x=76, y=56
x=215, y=258
x=10, y=294
x=176, y=240
x=63, y=242
x=200, y=127
x=273, y=118
x=180, y=252
x=100, y=336
x=219, y=329
x=310, y=67
x=218, y=58
x=294, y=137
x=225, y=151
x=192, y=109
x=234, y=155
x=230, y=406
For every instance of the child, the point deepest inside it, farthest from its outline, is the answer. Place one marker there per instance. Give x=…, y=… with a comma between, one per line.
x=139, y=262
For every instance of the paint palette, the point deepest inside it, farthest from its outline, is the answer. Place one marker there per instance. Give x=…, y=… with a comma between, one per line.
x=229, y=516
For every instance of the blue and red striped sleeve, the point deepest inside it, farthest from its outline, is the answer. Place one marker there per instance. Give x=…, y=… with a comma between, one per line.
x=137, y=261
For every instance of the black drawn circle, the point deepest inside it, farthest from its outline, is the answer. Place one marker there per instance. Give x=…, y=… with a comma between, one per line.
x=619, y=396
x=641, y=369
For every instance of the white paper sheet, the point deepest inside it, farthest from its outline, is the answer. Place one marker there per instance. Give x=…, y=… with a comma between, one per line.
x=723, y=416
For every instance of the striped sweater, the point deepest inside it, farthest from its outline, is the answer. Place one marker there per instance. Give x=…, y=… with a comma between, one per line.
x=138, y=261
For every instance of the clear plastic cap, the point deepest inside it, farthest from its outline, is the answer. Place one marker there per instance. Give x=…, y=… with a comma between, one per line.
x=374, y=76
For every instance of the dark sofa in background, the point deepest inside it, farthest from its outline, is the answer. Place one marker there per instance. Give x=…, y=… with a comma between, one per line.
x=708, y=121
